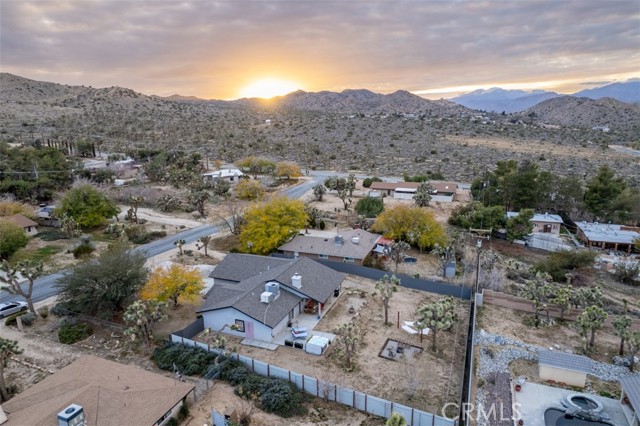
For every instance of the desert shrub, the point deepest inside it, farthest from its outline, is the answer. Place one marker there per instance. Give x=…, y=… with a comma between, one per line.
x=252, y=387
x=72, y=333
x=369, y=206
x=559, y=263
x=172, y=422
x=28, y=318
x=43, y=312
x=373, y=262
x=82, y=250
x=137, y=235
x=59, y=310
x=188, y=360
x=368, y=181
x=235, y=375
x=11, y=320
x=184, y=411
x=282, y=398
x=627, y=272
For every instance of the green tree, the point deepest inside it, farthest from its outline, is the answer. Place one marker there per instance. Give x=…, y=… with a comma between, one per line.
x=256, y=166
x=539, y=290
x=269, y=225
x=12, y=239
x=437, y=316
x=562, y=298
x=8, y=348
x=103, y=286
x=422, y=198
x=412, y=224
x=347, y=338
x=387, y=286
x=29, y=270
x=622, y=328
x=351, y=183
x=319, y=191
x=142, y=316
x=87, y=206
x=590, y=321
x=369, y=206
x=396, y=419
x=368, y=181
x=627, y=271
x=520, y=225
x=601, y=191
x=198, y=198
x=477, y=216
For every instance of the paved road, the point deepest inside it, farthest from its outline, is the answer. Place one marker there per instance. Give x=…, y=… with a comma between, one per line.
x=44, y=287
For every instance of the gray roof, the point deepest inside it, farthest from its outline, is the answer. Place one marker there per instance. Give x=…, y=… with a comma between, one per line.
x=318, y=283
x=608, y=232
x=631, y=387
x=238, y=267
x=540, y=217
x=327, y=245
x=565, y=361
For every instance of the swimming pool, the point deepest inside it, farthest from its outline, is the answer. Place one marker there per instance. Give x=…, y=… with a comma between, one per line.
x=555, y=417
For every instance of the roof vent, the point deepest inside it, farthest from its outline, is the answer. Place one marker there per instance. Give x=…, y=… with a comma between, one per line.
x=339, y=240
x=355, y=239
x=73, y=415
x=296, y=281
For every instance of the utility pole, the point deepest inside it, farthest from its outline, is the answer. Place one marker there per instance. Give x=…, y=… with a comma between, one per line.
x=479, y=246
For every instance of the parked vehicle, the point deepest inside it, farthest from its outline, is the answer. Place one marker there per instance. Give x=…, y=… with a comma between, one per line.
x=11, y=308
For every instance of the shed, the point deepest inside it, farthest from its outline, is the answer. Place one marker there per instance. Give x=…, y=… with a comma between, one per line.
x=30, y=227
x=563, y=367
x=317, y=345
x=631, y=392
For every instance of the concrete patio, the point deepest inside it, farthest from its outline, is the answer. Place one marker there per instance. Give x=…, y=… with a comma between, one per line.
x=534, y=399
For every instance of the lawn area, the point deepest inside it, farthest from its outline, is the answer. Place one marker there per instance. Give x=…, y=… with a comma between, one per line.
x=41, y=254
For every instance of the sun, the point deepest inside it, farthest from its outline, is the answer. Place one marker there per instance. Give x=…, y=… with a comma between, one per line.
x=268, y=88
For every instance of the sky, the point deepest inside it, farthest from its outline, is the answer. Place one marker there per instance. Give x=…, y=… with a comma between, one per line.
x=223, y=49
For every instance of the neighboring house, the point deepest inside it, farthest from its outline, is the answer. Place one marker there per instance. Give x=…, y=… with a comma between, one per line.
x=443, y=192
x=351, y=245
x=257, y=297
x=608, y=236
x=30, y=227
x=631, y=398
x=45, y=216
x=563, y=367
x=108, y=394
x=230, y=175
x=547, y=223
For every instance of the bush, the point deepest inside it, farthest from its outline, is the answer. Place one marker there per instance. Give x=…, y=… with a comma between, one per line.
x=11, y=320
x=27, y=319
x=43, y=312
x=558, y=264
x=235, y=375
x=72, y=333
x=368, y=181
x=59, y=310
x=184, y=411
x=252, y=387
x=172, y=422
x=82, y=250
x=369, y=206
x=138, y=236
x=188, y=360
x=12, y=238
x=282, y=398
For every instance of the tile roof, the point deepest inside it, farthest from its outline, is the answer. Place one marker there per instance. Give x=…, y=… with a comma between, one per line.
x=327, y=246
x=565, y=361
x=111, y=394
x=631, y=386
x=20, y=220
x=318, y=283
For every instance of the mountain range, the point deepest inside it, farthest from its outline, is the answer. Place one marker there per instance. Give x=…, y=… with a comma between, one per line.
x=498, y=100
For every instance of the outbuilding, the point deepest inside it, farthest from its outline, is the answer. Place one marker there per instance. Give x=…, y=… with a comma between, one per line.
x=563, y=367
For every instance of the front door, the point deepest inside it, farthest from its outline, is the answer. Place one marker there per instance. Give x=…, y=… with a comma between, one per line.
x=249, y=329
x=547, y=228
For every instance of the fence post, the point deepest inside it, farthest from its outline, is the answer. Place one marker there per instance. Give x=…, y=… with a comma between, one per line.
x=411, y=416
x=391, y=409
x=303, y=383
x=289, y=371
x=317, y=387
x=269, y=373
x=182, y=339
x=354, y=399
x=365, y=403
x=253, y=367
x=433, y=420
x=335, y=393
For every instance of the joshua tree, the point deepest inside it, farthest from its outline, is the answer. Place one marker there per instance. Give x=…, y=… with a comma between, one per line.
x=387, y=286
x=205, y=240
x=633, y=342
x=143, y=315
x=396, y=252
x=538, y=291
x=7, y=349
x=347, y=343
x=319, y=191
x=445, y=256
x=438, y=315
x=69, y=226
x=562, y=299
x=135, y=201
x=622, y=327
x=590, y=321
x=28, y=269
x=423, y=194
x=179, y=244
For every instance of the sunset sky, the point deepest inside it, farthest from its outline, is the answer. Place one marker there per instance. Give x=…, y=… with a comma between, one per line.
x=224, y=49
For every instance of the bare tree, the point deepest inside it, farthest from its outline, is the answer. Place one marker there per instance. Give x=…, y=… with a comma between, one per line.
x=234, y=219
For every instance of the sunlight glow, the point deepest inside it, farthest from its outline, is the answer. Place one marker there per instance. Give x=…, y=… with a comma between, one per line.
x=268, y=88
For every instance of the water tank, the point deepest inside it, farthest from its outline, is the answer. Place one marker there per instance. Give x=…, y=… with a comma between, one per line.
x=73, y=415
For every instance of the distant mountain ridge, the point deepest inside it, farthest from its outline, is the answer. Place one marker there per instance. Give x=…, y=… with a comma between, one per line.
x=498, y=100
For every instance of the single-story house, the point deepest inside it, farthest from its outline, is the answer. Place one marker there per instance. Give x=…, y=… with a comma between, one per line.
x=608, y=235
x=257, y=297
x=563, y=367
x=45, y=215
x=350, y=245
x=631, y=398
x=548, y=223
x=443, y=192
x=106, y=393
x=230, y=175
x=29, y=226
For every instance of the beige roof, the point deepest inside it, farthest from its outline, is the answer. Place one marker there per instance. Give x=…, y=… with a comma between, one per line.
x=366, y=241
x=438, y=186
x=111, y=394
x=21, y=221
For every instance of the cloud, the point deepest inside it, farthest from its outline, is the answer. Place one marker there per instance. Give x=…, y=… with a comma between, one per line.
x=212, y=48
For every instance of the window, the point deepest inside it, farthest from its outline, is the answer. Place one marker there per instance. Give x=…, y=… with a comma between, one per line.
x=166, y=416
x=348, y=260
x=323, y=256
x=239, y=326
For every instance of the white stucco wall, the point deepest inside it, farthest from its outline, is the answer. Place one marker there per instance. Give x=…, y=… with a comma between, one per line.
x=560, y=375
x=215, y=320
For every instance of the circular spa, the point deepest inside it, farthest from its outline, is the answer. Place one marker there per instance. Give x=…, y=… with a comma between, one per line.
x=583, y=402
x=579, y=410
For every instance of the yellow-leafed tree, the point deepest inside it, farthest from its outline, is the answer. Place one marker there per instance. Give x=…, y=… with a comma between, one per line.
x=249, y=190
x=286, y=170
x=416, y=225
x=270, y=224
x=175, y=283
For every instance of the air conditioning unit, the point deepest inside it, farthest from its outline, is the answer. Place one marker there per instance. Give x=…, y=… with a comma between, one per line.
x=272, y=287
x=266, y=297
x=355, y=239
x=73, y=415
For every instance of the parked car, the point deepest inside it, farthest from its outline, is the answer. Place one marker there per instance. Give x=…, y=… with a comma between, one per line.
x=11, y=308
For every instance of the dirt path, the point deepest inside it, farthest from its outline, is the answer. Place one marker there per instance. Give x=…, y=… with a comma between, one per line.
x=153, y=216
